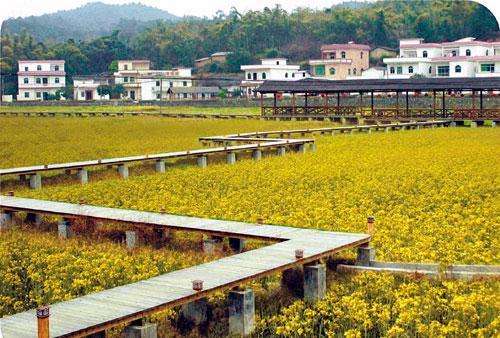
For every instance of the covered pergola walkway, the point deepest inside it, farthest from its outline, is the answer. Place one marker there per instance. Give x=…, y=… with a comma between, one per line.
x=471, y=98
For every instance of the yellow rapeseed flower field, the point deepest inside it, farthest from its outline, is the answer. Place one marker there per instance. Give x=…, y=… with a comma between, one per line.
x=434, y=194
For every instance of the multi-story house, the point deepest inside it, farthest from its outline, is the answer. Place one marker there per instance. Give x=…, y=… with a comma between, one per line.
x=37, y=79
x=466, y=57
x=142, y=83
x=340, y=61
x=269, y=69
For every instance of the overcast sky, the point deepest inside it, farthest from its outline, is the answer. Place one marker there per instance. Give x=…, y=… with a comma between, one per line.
x=16, y=8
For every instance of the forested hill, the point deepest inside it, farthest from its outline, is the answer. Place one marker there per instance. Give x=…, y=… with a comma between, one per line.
x=87, y=22
x=296, y=35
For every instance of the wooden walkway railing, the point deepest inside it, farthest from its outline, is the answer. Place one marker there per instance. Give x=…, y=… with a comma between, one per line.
x=98, y=311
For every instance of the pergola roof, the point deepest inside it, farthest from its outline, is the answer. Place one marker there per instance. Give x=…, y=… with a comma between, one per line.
x=318, y=86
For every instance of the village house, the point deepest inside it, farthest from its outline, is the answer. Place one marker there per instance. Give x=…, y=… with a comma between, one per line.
x=85, y=87
x=219, y=57
x=143, y=84
x=466, y=57
x=340, y=61
x=38, y=79
x=269, y=69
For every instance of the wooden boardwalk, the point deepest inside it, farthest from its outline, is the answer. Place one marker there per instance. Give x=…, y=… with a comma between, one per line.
x=101, y=310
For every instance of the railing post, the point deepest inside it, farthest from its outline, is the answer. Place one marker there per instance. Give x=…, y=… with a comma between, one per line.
x=42, y=315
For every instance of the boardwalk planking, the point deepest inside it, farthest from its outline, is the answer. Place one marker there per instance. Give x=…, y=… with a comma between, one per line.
x=101, y=310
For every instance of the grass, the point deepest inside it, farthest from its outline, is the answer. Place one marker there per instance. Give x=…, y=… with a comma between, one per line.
x=136, y=108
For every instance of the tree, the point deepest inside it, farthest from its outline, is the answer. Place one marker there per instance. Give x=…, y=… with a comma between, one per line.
x=104, y=90
x=117, y=91
x=113, y=66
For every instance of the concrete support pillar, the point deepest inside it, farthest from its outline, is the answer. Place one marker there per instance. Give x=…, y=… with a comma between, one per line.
x=453, y=124
x=64, y=228
x=343, y=121
x=195, y=312
x=123, y=170
x=312, y=146
x=132, y=239
x=160, y=166
x=386, y=129
x=241, y=312
x=365, y=256
x=301, y=148
x=314, y=282
x=6, y=219
x=257, y=154
x=236, y=244
x=83, y=176
x=212, y=244
x=33, y=218
x=231, y=158
x=360, y=121
x=202, y=161
x=281, y=151
x=369, y=130
x=35, y=181
x=147, y=330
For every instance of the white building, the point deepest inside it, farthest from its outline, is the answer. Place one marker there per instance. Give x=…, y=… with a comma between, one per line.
x=37, y=79
x=85, y=88
x=461, y=58
x=269, y=69
x=142, y=83
x=370, y=73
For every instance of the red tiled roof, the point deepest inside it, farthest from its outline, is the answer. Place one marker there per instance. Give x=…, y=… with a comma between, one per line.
x=346, y=46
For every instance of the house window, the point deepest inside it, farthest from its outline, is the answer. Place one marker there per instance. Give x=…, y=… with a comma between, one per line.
x=125, y=79
x=38, y=67
x=38, y=94
x=184, y=83
x=453, y=53
x=332, y=71
x=170, y=84
x=277, y=62
x=293, y=74
x=458, y=69
x=424, y=54
x=342, y=55
x=82, y=94
x=488, y=67
x=391, y=70
x=56, y=68
x=361, y=55
x=430, y=69
x=410, y=69
x=443, y=70
x=354, y=71
x=487, y=52
x=399, y=70
x=158, y=96
x=25, y=80
x=125, y=67
x=38, y=80
x=157, y=83
x=249, y=76
x=56, y=80
x=26, y=69
x=45, y=80
x=263, y=76
x=26, y=94
x=467, y=52
x=303, y=74
x=254, y=76
x=185, y=95
x=349, y=71
x=333, y=55
x=286, y=75
x=132, y=79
